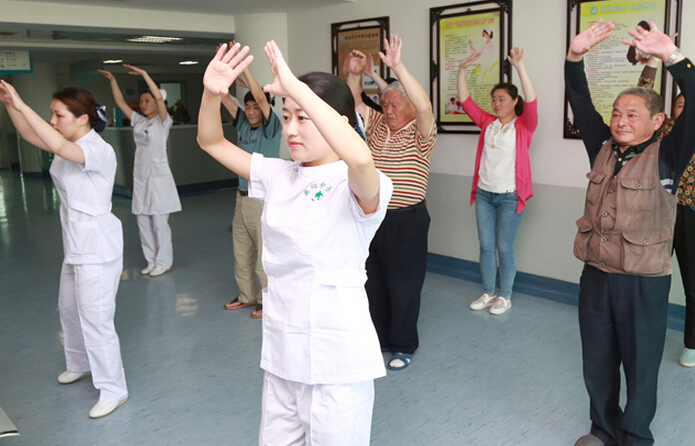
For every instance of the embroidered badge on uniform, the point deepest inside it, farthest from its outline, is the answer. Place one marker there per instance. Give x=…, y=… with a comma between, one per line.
x=316, y=191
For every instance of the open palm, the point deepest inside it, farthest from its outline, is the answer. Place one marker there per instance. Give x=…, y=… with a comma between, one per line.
x=224, y=68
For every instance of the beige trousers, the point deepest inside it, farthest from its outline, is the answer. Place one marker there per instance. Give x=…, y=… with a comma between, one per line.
x=248, y=246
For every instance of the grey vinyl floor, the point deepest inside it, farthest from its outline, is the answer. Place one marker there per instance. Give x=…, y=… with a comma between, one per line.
x=193, y=368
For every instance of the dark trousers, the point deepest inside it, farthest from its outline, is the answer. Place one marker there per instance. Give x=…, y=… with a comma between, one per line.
x=684, y=245
x=396, y=269
x=622, y=319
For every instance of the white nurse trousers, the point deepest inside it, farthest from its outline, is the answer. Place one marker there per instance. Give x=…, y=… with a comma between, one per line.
x=155, y=239
x=87, y=303
x=296, y=414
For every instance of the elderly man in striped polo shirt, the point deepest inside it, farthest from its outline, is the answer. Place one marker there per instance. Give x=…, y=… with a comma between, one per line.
x=401, y=140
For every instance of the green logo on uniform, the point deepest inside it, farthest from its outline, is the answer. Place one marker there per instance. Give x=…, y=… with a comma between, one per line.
x=317, y=192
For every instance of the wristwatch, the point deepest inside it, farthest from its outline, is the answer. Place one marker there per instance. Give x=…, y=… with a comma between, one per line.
x=673, y=57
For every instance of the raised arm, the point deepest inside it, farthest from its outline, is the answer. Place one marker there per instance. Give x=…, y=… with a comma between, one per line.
x=584, y=41
x=655, y=43
x=35, y=130
x=516, y=58
x=117, y=95
x=594, y=131
x=353, y=67
x=335, y=129
x=161, y=106
x=462, y=82
x=258, y=93
x=224, y=68
x=417, y=95
x=676, y=148
x=369, y=71
x=230, y=105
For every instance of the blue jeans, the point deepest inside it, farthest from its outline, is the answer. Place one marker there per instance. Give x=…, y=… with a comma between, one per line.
x=498, y=224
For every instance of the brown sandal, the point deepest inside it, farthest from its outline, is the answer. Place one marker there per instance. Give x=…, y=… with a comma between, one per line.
x=258, y=312
x=236, y=304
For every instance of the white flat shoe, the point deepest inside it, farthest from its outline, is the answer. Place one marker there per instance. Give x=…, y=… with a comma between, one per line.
x=158, y=271
x=103, y=408
x=68, y=377
x=147, y=270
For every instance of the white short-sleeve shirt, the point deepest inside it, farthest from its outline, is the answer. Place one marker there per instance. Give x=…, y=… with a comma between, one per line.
x=316, y=323
x=91, y=233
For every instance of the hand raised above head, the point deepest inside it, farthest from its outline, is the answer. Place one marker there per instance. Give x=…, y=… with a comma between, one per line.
x=392, y=48
x=107, y=74
x=653, y=42
x=516, y=56
x=587, y=39
x=135, y=70
x=354, y=62
x=282, y=75
x=224, y=69
x=468, y=61
x=369, y=65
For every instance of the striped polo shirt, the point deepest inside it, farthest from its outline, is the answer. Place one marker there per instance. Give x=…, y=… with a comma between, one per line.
x=403, y=156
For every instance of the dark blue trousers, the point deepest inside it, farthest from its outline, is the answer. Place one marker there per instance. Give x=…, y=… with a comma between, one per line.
x=396, y=269
x=622, y=321
x=684, y=245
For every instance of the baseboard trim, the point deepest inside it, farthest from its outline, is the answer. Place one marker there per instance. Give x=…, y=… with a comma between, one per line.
x=531, y=284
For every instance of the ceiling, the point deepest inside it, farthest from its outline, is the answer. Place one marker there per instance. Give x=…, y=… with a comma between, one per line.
x=61, y=44
x=225, y=7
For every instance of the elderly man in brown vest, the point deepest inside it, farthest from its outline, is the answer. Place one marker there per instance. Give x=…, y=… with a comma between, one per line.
x=625, y=236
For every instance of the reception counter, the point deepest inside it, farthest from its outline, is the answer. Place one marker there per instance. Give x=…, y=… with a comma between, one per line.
x=193, y=169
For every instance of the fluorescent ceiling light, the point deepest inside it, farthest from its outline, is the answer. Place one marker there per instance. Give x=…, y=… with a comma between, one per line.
x=154, y=39
x=113, y=61
x=188, y=62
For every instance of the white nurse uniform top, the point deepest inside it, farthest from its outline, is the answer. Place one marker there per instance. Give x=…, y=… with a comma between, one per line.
x=316, y=323
x=91, y=233
x=154, y=189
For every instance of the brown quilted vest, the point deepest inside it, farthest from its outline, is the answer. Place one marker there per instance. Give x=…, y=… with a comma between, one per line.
x=628, y=221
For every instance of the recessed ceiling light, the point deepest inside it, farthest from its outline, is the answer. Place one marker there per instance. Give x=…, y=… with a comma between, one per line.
x=154, y=39
x=113, y=61
x=188, y=62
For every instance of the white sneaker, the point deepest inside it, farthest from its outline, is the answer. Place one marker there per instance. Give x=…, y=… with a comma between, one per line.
x=159, y=270
x=68, y=377
x=103, y=408
x=500, y=306
x=147, y=270
x=482, y=302
x=687, y=358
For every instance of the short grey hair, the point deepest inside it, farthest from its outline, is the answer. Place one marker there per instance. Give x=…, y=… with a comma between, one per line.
x=396, y=86
x=652, y=100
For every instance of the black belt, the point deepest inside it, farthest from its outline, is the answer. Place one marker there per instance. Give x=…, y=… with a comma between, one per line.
x=243, y=193
x=412, y=208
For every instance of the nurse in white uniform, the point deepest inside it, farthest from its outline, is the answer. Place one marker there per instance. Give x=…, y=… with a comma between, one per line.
x=320, y=349
x=154, y=191
x=83, y=172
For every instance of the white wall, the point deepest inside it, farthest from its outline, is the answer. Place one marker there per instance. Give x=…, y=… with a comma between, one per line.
x=544, y=244
x=255, y=30
x=103, y=17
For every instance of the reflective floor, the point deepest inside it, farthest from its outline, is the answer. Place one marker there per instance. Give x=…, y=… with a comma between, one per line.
x=193, y=368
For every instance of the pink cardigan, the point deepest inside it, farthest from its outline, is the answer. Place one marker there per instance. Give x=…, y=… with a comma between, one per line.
x=525, y=126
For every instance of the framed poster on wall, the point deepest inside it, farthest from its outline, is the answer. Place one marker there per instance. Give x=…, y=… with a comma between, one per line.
x=455, y=32
x=612, y=66
x=367, y=36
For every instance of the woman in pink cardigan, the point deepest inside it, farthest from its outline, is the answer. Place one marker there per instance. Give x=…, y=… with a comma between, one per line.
x=502, y=177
